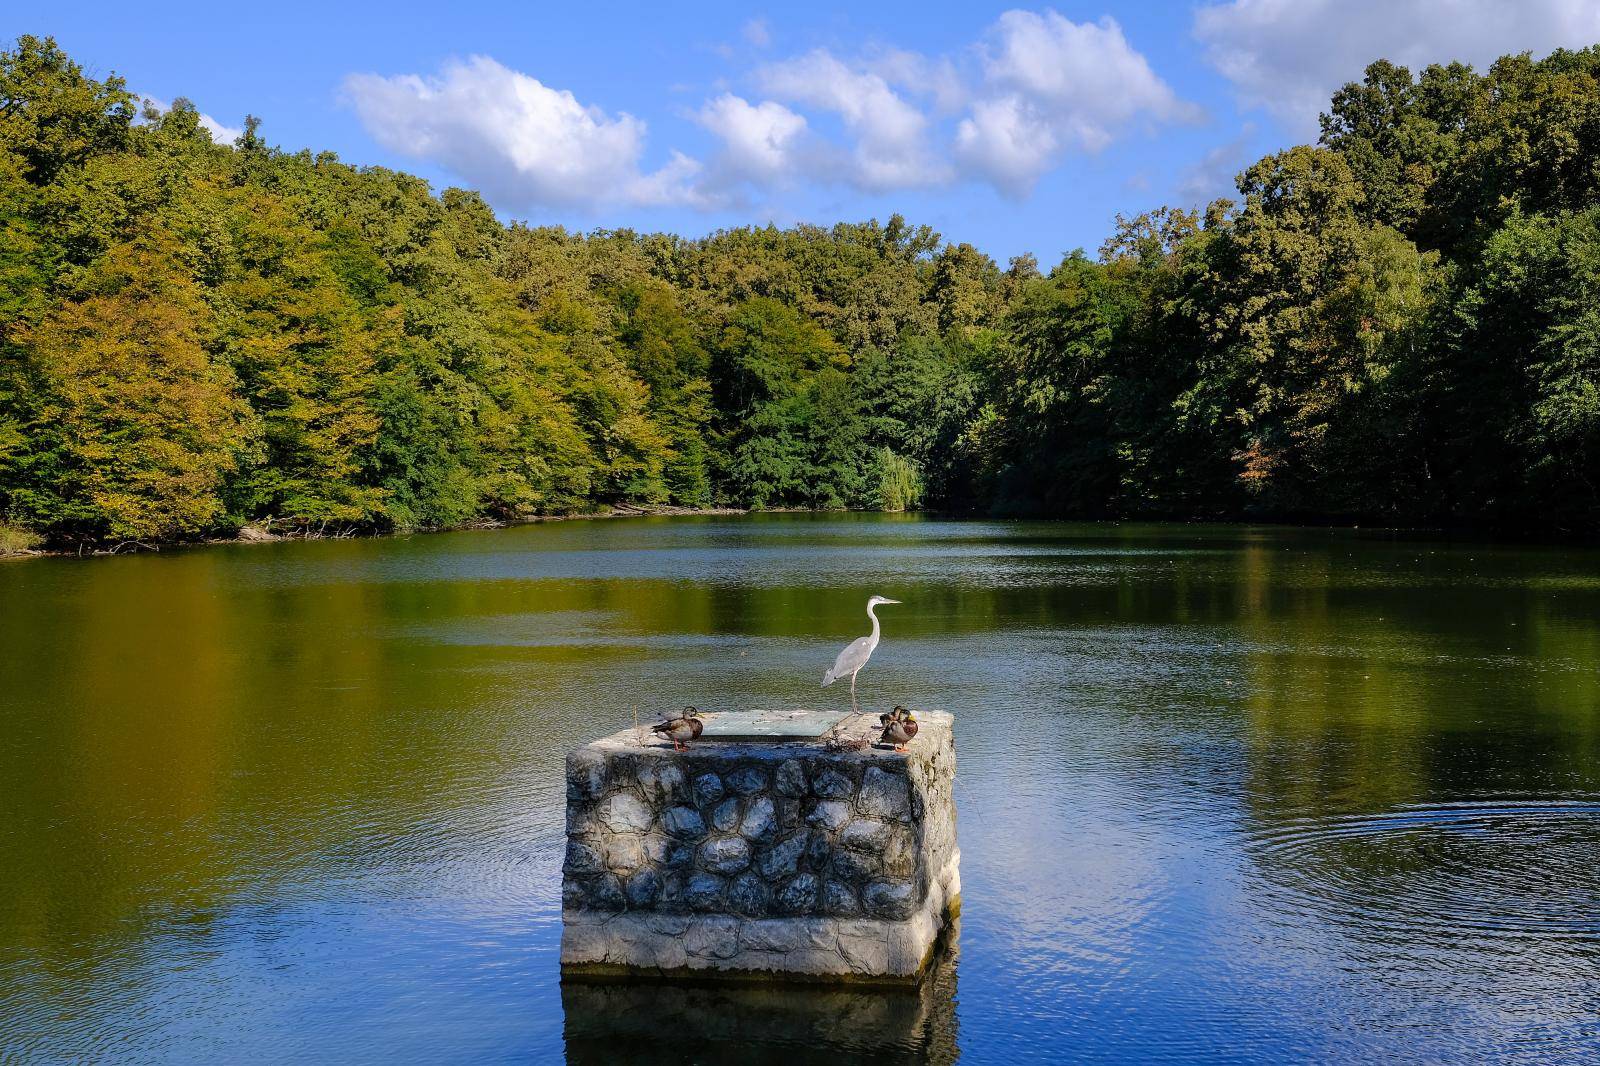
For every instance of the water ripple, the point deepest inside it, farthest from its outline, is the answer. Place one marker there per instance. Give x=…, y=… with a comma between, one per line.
x=1494, y=868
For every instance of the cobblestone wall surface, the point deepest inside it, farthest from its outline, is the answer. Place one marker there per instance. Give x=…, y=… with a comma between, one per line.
x=782, y=829
x=767, y=858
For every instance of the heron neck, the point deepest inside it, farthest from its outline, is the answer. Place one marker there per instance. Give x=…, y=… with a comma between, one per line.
x=874, y=617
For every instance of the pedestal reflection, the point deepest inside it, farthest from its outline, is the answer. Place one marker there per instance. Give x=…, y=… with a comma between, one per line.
x=610, y=1022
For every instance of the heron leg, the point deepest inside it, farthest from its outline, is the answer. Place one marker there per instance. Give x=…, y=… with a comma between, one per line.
x=853, y=705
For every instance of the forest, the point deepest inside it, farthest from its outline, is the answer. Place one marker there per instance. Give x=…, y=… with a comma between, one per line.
x=1398, y=325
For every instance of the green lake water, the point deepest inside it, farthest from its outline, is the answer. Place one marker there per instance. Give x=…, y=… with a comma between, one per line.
x=1224, y=793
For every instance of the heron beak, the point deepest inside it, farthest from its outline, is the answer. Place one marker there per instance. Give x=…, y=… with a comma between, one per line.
x=891, y=601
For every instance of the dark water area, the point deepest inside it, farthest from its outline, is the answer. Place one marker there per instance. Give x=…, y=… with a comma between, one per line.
x=1225, y=793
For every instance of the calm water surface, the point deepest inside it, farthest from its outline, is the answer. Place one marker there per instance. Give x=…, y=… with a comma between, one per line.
x=1225, y=793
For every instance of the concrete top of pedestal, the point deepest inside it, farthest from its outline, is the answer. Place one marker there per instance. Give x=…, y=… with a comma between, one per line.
x=769, y=725
x=738, y=734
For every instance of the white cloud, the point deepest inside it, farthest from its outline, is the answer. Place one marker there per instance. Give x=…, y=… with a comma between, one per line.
x=1213, y=176
x=1003, y=111
x=761, y=142
x=757, y=33
x=1052, y=84
x=1086, y=73
x=1003, y=141
x=219, y=133
x=1044, y=85
x=937, y=79
x=891, y=150
x=520, y=141
x=1288, y=56
x=677, y=182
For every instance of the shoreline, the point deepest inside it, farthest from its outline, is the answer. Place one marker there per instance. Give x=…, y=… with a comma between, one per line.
x=256, y=533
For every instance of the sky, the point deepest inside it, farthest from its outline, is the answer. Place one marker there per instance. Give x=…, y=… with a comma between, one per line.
x=1016, y=129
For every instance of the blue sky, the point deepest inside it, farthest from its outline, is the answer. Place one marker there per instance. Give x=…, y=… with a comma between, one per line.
x=1018, y=129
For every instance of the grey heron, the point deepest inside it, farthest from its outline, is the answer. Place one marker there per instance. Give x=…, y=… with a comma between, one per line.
x=856, y=653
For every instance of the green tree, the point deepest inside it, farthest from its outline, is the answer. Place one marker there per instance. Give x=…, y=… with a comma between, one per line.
x=899, y=485
x=1396, y=324
x=134, y=427
x=667, y=356
x=52, y=117
x=773, y=372
x=300, y=346
x=1515, y=391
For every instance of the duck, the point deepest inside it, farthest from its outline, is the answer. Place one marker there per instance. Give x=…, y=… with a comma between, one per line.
x=899, y=726
x=895, y=715
x=680, y=728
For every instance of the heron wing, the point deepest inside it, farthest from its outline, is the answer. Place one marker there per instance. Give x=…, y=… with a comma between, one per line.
x=853, y=658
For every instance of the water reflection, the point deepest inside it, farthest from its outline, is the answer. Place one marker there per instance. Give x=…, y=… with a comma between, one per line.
x=1250, y=794
x=1514, y=870
x=676, y=1022
x=1486, y=908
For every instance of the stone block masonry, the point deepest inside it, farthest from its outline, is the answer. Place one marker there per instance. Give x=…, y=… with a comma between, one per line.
x=777, y=859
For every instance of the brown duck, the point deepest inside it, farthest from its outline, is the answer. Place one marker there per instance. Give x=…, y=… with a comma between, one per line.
x=899, y=726
x=680, y=728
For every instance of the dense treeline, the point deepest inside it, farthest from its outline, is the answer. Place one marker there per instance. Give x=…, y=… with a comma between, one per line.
x=1401, y=324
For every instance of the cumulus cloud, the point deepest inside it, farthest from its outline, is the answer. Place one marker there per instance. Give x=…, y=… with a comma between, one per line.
x=220, y=133
x=1005, y=141
x=1033, y=88
x=757, y=33
x=763, y=143
x=889, y=132
x=1213, y=176
x=939, y=80
x=1085, y=75
x=1052, y=84
x=1288, y=56
x=520, y=141
x=1043, y=85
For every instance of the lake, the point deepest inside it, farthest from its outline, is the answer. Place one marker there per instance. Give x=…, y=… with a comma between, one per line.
x=1249, y=794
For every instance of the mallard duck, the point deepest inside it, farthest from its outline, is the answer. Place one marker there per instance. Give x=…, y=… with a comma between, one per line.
x=899, y=726
x=680, y=728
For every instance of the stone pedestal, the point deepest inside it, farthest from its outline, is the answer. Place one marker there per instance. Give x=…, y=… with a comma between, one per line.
x=774, y=859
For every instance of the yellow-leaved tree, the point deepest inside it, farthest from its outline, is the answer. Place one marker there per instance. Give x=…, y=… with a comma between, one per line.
x=142, y=424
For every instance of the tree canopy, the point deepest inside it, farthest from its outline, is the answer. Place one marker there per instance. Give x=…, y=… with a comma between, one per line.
x=1397, y=324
